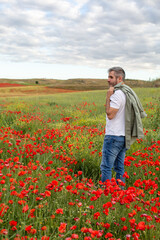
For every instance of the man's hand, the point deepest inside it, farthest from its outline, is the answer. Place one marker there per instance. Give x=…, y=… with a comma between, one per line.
x=110, y=91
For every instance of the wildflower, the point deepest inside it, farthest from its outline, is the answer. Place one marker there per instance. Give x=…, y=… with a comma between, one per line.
x=33, y=231
x=73, y=227
x=96, y=215
x=62, y=227
x=108, y=235
x=79, y=185
x=91, y=207
x=13, y=223
x=28, y=228
x=71, y=203
x=14, y=228
x=132, y=221
x=45, y=238
x=68, y=178
x=123, y=219
x=21, y=202
x=44, y=228
x=74, y=236
x=25, y=209
x=59, y=211
x=124, y=228
x=69, y=187
x=132, y=213
x=4, y=232
x=106, y=211
x=106, y=225
x=141, y=226
x=47, y=193
x=107, y=205
x=128, y=237
x=79, y=204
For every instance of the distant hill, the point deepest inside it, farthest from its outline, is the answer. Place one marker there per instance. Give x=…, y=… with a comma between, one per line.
x=82, y=84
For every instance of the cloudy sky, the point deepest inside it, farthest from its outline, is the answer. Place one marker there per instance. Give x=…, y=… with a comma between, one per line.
x=79, y=38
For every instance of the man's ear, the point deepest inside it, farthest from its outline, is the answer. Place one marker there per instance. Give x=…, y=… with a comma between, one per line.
x=120, y=79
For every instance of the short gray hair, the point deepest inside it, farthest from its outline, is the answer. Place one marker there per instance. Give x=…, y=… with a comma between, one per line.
x=118, y=72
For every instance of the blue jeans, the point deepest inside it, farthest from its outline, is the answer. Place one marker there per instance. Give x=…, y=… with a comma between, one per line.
x=113, y=154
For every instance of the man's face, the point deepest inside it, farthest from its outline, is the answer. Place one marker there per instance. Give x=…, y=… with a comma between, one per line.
x=112, y=79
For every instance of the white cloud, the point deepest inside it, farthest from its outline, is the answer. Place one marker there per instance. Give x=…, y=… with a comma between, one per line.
x=95, y=33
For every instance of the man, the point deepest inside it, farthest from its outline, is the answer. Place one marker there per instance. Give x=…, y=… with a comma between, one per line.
x=123, y=124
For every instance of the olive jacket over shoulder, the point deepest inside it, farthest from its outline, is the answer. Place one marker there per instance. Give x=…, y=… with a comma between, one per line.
x=134, y=112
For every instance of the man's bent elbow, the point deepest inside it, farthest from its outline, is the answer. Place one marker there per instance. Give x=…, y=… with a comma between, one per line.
x=111, y=113
x=110, y=116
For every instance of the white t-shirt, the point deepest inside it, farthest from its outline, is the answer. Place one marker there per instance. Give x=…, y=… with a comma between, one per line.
x=116, y=126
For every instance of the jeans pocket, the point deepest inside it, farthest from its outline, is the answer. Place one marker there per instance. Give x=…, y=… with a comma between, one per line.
x=118, y=144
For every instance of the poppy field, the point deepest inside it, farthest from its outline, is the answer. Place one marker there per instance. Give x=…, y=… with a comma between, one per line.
x=50, y=155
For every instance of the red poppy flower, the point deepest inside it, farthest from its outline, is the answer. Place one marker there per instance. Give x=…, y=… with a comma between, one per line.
x=59, y=211
x=124, y=228
x=74, y=236
x=108, y=235
x=62, y=227
x=73, y=227
x=45, y=238
x=141, y=226
x=96, y=215
x=25, y=209
x=13, y=223
x=123, y=219
x=44, y=228
x=28, y=228
x=4, y=232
